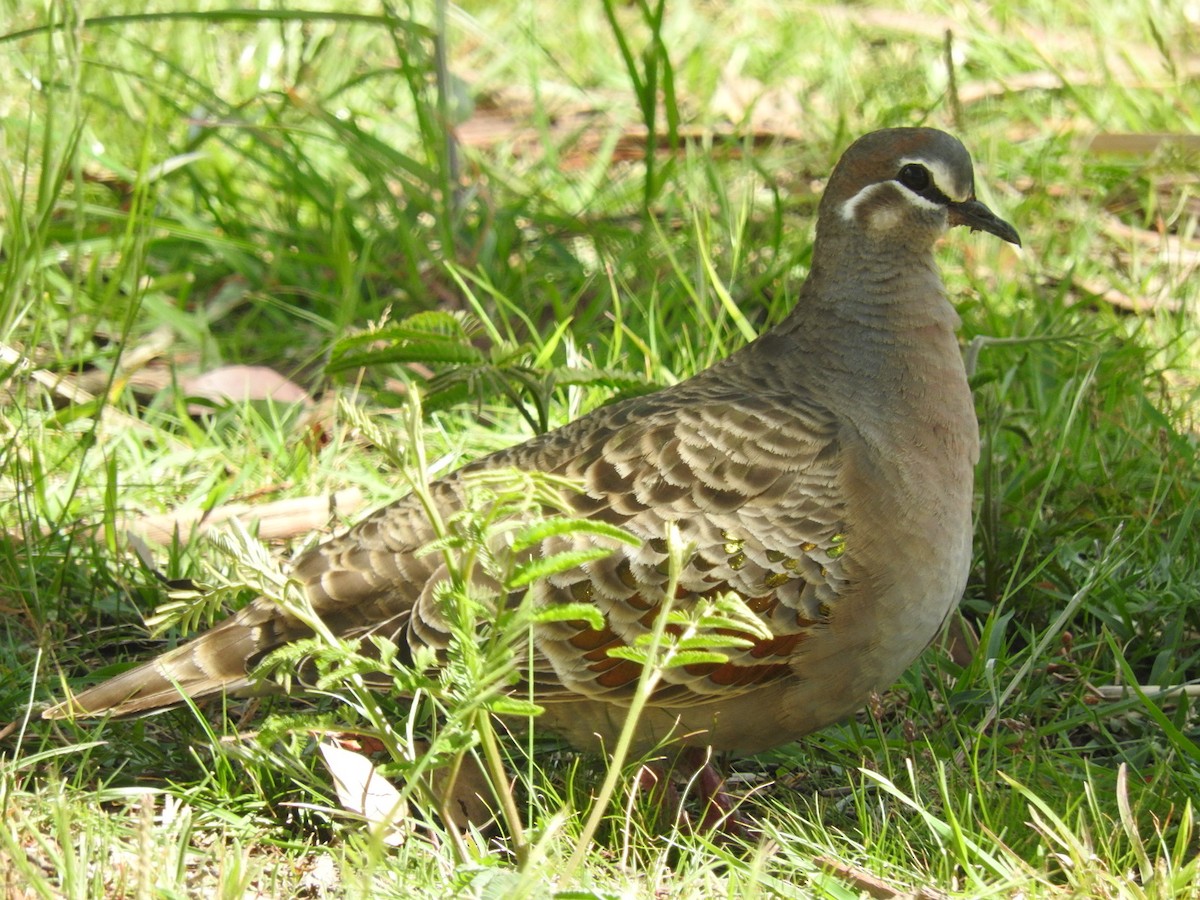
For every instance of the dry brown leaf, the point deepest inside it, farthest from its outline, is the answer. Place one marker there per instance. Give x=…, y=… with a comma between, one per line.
x=1142, y=144
x=364, y=792
x=872, y=885
x=1116, y=297
x=1027, y=81
x=275, y=521
x=1167, y=694
x=361, y=789
x=239, y=384
x=1171, y=248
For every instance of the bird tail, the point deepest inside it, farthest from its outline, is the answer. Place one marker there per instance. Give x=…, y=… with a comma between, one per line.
x=216, y=662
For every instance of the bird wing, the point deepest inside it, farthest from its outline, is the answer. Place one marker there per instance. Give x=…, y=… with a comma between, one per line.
x=749, y=480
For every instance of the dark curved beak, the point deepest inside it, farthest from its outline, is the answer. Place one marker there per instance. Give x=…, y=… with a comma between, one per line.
x=978, y=217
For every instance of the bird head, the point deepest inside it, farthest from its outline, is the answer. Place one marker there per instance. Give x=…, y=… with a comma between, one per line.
x=906, y=186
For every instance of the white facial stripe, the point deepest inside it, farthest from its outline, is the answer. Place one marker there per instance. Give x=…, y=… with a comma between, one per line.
x=849, y=209
x=942, y=178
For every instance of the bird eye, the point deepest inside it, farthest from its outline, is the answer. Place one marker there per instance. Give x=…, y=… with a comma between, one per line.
x=914, y=177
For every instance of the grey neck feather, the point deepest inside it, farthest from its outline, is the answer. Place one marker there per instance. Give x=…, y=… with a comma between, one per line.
x=859, y=291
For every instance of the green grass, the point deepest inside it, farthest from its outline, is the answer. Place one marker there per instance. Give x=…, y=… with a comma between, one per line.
x=258, y=187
